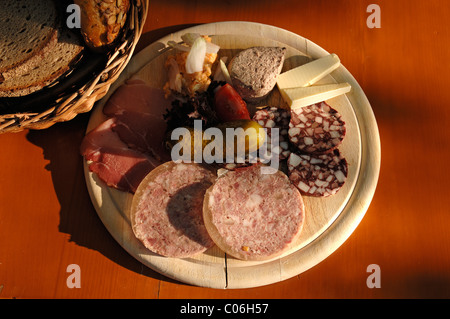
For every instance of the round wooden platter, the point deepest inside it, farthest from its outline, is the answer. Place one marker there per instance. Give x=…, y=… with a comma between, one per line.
x=328, y=222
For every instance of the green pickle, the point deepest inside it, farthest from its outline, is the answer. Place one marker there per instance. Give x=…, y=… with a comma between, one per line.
x=247, y=134
x=187, y=143
x=240, y=136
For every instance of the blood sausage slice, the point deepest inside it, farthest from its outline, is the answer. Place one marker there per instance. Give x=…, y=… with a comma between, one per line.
x=253, y=216
x=166, y=213
x=316, y=129
x=318, y=175
x=273, y=117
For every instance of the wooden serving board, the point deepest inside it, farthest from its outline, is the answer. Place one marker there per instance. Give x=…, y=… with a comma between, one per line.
x=328, y=222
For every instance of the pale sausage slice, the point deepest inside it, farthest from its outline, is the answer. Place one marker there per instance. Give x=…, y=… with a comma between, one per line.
x=166, y=213
x=253, y=216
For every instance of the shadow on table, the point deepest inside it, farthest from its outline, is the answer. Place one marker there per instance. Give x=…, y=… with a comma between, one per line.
x=60, y=145
x=78, y=218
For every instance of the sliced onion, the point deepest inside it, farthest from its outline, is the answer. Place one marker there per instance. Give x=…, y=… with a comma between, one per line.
x=174, y=76
x=225, y=72
x=189, y=39
x=212, y=48
x=196, y=57
x=222, y=73
x=178, y=46
x=218, y=75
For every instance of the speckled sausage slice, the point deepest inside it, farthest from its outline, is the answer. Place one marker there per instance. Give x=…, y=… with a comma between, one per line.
x=273, y=117
x=318, y=175
x=316, y=129
x=167, y=210
x=253, y=216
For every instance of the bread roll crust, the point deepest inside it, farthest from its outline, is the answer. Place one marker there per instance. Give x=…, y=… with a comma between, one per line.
x=102, y=20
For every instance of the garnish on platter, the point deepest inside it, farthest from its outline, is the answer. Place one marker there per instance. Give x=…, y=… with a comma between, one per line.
x=189, y=69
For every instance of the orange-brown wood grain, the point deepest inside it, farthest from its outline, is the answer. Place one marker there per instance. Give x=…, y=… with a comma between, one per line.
x=47, y=221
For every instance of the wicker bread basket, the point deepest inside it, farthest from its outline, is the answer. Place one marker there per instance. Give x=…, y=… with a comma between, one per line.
x=64, y=107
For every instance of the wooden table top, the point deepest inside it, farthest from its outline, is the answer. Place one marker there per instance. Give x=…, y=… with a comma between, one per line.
x=47, y=221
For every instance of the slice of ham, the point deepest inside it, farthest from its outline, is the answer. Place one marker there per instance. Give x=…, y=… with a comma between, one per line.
x=126, y=147
x=139, y=111
x=113, y=161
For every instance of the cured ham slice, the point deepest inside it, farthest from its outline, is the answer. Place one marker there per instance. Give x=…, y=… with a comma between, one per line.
x=113, y=161
x=126, y=147
x=139, y=111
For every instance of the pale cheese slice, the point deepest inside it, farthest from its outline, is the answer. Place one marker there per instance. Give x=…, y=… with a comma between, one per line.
x=304, y=96
x=309, y=73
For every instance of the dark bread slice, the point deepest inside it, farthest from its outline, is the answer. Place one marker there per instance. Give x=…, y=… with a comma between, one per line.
x=254, y=71
x=67, y=48
x=27, y=33
x=84, y=69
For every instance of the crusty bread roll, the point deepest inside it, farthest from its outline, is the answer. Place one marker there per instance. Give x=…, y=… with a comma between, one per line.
x=102, y=20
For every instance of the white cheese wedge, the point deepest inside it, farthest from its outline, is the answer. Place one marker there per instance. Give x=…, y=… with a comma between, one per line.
x=304, y=96
x=309, y=73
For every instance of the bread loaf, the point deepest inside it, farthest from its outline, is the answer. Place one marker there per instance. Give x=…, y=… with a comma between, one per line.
x=102, y=20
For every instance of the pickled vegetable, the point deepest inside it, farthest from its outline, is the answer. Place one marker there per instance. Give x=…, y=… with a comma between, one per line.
x=242, y=136
x=235, y=139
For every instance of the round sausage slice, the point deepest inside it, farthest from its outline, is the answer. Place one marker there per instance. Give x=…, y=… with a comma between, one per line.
x=316, y=129
x=166, y=213
x=318, y=175
x=253, y=216
x=273, y=117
